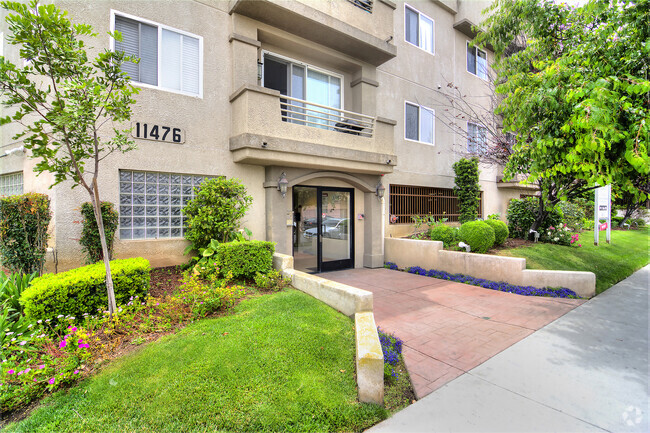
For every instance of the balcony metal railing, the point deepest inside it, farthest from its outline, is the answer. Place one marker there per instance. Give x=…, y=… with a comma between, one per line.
x=366, y=5
x=308, y=113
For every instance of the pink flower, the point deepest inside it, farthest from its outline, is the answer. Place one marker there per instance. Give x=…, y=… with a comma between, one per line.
x=62, y=344
x=551, y=228
x=82, y=346
x=72, y=328
x=76, y=372
x=80, y=341
x=51, y=381
x=42, y=366
x=11, y=372
x=35, y=380
x=579, y=245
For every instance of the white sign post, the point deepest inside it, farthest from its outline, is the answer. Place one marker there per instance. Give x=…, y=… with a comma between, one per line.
x=603, y=210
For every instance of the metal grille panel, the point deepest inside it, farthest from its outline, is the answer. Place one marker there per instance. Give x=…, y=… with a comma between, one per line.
x=407, y=201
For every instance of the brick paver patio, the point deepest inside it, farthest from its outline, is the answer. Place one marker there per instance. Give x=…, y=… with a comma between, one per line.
x=449, y=328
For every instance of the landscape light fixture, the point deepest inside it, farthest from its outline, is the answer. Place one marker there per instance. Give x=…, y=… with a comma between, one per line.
x=380, y=190
x=283, y=184
x=464, y=245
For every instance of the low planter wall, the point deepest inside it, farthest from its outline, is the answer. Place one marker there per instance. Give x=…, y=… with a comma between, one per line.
x=431, y=255
x=351, y=302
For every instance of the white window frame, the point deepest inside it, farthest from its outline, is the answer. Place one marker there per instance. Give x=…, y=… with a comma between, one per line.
x=307, y=66
x=467, y=48
x=5, y=176
x=433, y=30
x=478, y=151
x=433, y=132
x=160, y=28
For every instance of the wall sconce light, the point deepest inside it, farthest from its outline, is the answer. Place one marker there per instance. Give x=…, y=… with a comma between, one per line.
x=283, y=184
x=380, y=190
x=260, y=70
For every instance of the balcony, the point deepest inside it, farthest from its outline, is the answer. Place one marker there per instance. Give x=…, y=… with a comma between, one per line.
x=273, y=129
x=361, y=29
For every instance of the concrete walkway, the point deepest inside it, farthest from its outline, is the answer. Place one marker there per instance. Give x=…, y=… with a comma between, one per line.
x=587, y=371
x=449, y=328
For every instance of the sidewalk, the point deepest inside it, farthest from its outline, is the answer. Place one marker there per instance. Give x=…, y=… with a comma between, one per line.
x=586, y=371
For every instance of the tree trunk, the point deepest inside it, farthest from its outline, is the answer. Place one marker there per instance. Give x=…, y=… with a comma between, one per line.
x=539, y=219
x=94, y=198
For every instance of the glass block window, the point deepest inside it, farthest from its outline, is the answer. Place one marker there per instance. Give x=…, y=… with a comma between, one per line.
x=151, y=203
x=11, y=184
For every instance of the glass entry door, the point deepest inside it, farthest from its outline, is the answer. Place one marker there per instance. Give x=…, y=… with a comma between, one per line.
x=323, y=234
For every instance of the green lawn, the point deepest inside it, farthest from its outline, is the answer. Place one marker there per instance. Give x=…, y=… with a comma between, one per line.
x=283, y=362
x=628, y=252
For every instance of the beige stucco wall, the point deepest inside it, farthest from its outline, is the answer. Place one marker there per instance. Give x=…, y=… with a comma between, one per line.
x=232, y=44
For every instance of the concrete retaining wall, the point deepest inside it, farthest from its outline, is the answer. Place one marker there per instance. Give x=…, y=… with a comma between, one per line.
x=351, y=302
x=430, y=255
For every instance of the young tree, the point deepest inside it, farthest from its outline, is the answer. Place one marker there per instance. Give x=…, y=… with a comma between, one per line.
x=65, y=100
x=576, y=91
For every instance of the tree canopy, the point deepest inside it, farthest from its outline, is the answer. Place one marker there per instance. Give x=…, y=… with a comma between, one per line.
x=575, y=89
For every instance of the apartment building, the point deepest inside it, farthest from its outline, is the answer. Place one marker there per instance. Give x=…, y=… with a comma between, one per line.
x=329, y=111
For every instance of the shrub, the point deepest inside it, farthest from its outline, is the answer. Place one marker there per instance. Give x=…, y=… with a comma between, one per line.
x=90, y=243
x=273, y=281
x=500, y=230
x=11, y=287
x=639, y=222
x=245, y=259
x=478, y=235
x=467, y=188
x=216, y=211
x=444, y=233
x=23, y=232
x=559, y=235
x=521, y=216
x=83, y=290
x=573, y=214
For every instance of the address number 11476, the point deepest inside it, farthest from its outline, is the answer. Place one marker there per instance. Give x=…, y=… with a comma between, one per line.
x=151, y=131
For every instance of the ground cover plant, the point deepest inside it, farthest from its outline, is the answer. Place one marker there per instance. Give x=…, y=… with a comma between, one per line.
x=611, y=263
x=42, y=355
x=398, y=390
x=549, y=292
x=283, y=362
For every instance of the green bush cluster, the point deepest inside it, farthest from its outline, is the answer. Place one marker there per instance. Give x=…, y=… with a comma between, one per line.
x=467, y=188
x=273, y=281
x=215, y=212
x=83, y=290
x=521, y=216
x=500, y=230
x=443, y=233
x=90, y=243
x=23, y=232
x=245, y=258
x=478, y=235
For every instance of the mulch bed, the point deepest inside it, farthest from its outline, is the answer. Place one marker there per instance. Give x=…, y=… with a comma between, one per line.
x=165, y=281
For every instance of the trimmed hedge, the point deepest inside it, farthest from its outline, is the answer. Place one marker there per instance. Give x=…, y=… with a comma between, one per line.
x=90, y=242
x=500, y=231
x=478, y=235
x=245, y=258
x=83, y=290
x=23, y=232
x=443, y=233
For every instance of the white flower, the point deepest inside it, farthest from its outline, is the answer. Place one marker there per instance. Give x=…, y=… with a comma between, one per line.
x=59, y=316
x=556, y=239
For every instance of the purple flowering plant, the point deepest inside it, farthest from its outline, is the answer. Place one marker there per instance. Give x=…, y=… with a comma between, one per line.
x=549, y=292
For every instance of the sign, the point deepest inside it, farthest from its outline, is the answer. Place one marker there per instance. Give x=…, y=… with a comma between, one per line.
x=156, y=132
x=603, y=211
